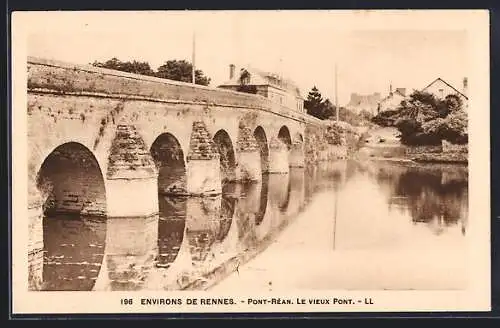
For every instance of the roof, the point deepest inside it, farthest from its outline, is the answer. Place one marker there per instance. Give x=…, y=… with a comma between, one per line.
x=440, y=79
x=397, y=92
x=259, y=77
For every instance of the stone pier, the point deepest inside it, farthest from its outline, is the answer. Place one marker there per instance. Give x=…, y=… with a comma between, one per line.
x=248, y=154
x=297, y=157
x=203, y=167
x=131, y=184
x=278, y=157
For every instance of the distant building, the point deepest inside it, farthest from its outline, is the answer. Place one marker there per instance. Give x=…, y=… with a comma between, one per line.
x=359, y=102
x=270, y=85
x=393, y=99
x=440, y=89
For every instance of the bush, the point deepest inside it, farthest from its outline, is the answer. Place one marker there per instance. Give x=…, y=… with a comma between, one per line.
x=426, y=120
x=385, y=118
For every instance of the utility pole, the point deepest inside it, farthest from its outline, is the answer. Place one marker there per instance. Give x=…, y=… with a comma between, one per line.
x=336, y=96
x=193, y=59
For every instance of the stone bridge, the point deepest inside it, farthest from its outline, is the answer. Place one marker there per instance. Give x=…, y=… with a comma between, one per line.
x=107, y=143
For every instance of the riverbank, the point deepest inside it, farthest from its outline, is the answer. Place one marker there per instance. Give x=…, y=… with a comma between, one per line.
x=451, y=158
x=385, y=155
x=383, y=144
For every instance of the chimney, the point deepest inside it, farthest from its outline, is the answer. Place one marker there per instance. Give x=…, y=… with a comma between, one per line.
x=390, y=89
x=465, y=86
x=231, y=71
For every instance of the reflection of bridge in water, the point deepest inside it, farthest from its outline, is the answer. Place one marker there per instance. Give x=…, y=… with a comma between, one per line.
x=190, y=238
x=197, y=241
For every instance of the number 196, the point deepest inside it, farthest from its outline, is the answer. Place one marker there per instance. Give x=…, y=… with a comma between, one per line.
x=126, y=301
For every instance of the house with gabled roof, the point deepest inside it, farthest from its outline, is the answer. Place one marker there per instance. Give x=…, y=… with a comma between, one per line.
x=392, y=100
x=440, y=89
x=267, y=84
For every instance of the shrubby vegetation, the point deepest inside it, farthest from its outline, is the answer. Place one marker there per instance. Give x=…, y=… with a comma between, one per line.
x=424, y=119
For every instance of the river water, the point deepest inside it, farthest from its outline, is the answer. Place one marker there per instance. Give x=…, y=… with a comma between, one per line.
x=341, y=225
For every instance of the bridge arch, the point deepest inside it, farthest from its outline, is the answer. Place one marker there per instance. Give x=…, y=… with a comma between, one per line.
x=168, y=157
x=260, y=136
x=70, y=180
x=285, y=137
x=224, y=147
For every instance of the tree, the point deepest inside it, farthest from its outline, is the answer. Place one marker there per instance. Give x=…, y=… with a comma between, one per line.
x=349, y=116
x=314, y=103
x=385, y=118
x=426, y=120
x=134, y=66
x=327, y=109
x=181, y=70
x=365, y=115
x=324, y=109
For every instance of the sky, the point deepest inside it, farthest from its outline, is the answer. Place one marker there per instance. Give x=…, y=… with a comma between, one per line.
x=370, y=49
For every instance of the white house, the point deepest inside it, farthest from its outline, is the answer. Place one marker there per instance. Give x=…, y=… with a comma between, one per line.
x=270, y=85
x=393, y=100
x=440, y=89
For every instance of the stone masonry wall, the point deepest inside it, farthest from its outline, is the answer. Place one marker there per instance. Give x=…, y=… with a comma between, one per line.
x=246, y=141
x=129, y=155
x=67, y=78
x=315, y=145
x=201, y=146
x=449, y=147
x=417, y=150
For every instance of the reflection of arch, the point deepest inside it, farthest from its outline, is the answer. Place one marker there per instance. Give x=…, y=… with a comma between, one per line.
x=73, y=252
x=263, y=200
x=284, y=136
x=169, y=160
x=260, y=136
x=225, y=225
x=228, y=202
x=70, y=181
x=279, y=190
x=225, y=148
x=171, y=226
x=283, y=206
x=297, y=192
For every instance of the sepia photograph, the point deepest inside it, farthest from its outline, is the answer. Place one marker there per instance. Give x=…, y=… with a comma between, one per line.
x=242, y=161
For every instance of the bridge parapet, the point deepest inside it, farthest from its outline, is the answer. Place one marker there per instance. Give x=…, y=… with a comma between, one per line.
x=51, y=76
